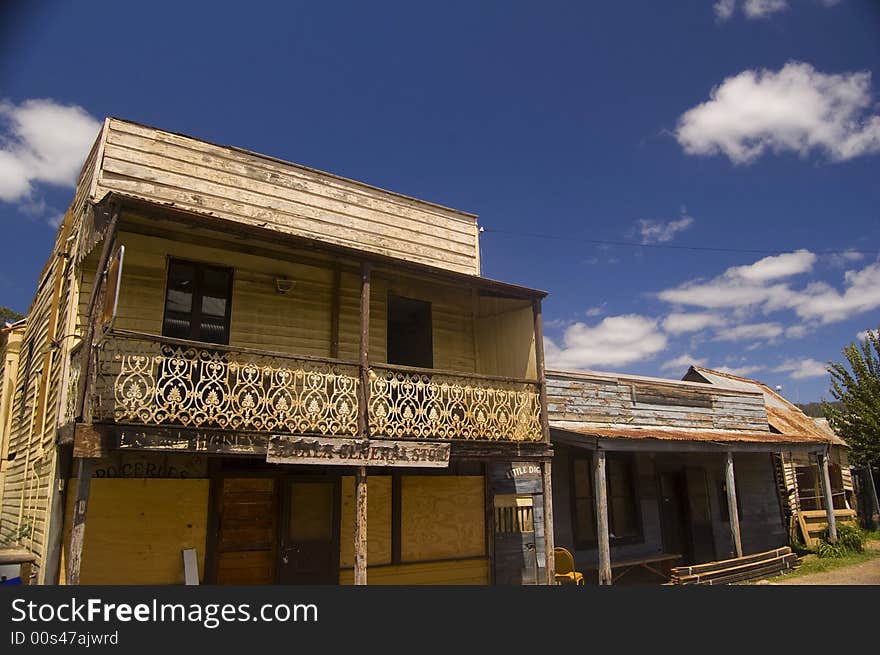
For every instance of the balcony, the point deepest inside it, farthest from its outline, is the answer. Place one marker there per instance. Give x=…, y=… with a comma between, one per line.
x=146, y=380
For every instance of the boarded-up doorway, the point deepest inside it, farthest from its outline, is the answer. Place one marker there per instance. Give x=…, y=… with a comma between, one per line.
x=246, y=548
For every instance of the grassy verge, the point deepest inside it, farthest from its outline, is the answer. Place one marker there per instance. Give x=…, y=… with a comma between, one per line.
x=814, y=564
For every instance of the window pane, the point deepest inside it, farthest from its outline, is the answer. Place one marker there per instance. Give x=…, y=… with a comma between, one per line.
x=179, y=300
x=215, y=290
x=619, y=480
x=583, y=487
x=623, y=517
x=584, y=521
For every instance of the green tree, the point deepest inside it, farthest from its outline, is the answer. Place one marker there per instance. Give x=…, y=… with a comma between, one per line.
x=856, y=384
x=10, y=315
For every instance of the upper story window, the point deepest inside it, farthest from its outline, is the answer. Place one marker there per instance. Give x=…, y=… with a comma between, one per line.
x=410, y=336
x=197, y=302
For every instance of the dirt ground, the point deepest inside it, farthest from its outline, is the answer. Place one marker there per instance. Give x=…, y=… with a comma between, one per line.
x=866, y=573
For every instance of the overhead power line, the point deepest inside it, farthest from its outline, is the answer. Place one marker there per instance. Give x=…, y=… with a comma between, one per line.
x=668, y=246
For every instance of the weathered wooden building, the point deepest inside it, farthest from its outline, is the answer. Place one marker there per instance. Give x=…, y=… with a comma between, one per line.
x=801, y=474
x=650, y=473
x=302, y=377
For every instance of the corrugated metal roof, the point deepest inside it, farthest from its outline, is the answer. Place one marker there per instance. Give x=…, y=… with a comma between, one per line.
x=714, y=436
x=782, y=415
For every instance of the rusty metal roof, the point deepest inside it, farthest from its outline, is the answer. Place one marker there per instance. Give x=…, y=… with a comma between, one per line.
x=713, y=436
x=782, y=415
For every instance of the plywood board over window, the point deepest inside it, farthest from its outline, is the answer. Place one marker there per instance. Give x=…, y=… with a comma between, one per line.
x=442, y=517
x=138, y=527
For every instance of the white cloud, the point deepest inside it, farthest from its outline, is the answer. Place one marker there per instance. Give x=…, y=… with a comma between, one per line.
x=759, y=286
x=41, y=142
x=662, y=231
x=743, y=286
x=595, y=311
x=682, y=362
x=824, y=303
x=797, y=331
x=801, y=369
x=845, y=258
x=775, y=266
x=763, y=8
x=796, y=109
x=614, y=341
x=863, y=335
x=724, y=9
x=681, y=322
x=750, y=332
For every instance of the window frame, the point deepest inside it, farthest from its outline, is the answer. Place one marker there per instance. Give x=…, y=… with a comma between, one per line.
x=197, y=298
x=587, y=544
x=430, y=323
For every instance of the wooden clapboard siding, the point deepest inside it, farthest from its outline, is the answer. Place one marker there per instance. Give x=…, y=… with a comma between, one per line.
x=138, y=528
x=30, y=463
x=840, y=457
x=474, y=571
x=442, y=516
x=9, y=358
x=299, y=322
x=761, y=521
x=247, y=188
x=644, y=403
x=505, y=338
x=378, y=521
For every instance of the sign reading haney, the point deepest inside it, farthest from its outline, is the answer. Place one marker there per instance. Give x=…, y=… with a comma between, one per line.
x=355, y=452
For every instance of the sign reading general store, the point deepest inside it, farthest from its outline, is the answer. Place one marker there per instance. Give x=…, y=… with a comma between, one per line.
x=360, y=452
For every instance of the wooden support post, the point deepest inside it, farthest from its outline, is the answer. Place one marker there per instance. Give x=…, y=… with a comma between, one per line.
x=874, y=514
x=549, y=541
x=360, y=526
x=539, y=367
x=545, y=429
x=360, y=480
x=732, y=510
x=364, y=413
x=89, y=331
x=335, y=305
x=601, y=494
x=827, y=496
x=85, y=468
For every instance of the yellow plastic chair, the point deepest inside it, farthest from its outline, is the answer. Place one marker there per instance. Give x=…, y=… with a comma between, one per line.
x=564, y=563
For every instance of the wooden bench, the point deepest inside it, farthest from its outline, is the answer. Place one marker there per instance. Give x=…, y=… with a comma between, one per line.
x=658, y=564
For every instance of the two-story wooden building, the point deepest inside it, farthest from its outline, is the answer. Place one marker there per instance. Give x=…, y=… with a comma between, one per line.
x=302, y=377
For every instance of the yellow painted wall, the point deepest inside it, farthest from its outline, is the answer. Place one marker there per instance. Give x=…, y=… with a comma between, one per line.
x=442, y=531
x=458, y=572
x=505, y=333
x=299, y=321
x=136, y=529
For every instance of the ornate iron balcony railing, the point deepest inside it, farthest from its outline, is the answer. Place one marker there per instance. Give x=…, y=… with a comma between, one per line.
x=150, y=380
x=161, y=381
x=426, y=404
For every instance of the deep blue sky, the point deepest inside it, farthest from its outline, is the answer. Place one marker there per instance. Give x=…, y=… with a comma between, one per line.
x=555, y=118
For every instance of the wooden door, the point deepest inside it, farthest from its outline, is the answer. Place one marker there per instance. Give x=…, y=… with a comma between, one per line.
x=247, y=527
x=673, y=515
x=699, y=515
x=310, y=532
